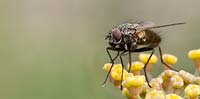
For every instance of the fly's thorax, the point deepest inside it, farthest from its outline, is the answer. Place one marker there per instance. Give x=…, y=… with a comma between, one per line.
x=129, y=42
x=127, y=28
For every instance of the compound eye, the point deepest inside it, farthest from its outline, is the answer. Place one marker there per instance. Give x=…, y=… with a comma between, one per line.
x=116, y=34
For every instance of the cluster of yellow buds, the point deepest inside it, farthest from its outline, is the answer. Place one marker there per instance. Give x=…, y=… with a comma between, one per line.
x=169, y=84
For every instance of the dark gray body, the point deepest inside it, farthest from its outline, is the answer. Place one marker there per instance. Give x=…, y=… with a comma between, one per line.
x=133, y=35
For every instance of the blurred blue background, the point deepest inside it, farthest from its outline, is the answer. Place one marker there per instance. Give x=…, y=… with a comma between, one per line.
x=55, y=49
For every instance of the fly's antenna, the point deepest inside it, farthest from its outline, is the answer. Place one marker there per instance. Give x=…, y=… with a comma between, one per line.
x=180, y=23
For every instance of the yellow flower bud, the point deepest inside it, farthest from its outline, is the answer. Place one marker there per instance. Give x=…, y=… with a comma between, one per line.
x=197, y=80
x=145, y=88
x=168, y=73
x=173, y=96
x=116, y=72
x=177, y=81
x=169, y=59
x=143, y=57
x=136, y=66
x=192, y=90
x=126, y=93
x=158, y=79
x=134, y=81
x=187, y=77
x=117, y=66
x=107, y=67
x=194, y=54
x=155, y=95
x=156, y=85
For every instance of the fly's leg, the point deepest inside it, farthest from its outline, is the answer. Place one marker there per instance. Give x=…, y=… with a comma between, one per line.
x=161, y=59
x=112, y=62
x=130, y=63
x=145, y=66
x=147, y=48
x=122, y=72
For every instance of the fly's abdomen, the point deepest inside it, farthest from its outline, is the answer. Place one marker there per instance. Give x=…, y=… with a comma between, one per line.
x=150, y=37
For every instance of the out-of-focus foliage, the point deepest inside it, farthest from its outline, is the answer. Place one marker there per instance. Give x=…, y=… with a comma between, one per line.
x=54, y=49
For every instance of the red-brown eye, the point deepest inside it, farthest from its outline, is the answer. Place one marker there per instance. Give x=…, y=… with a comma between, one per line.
x=116, y=34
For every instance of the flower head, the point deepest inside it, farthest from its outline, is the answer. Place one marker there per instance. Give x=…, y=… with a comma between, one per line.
x=136, y=66
x=155, y=95
x=169, y=59
x=143, y=57
x=134, y=81
x=126, y=93
x=173, y=96
x=158, y=79
x=116, y=73
x=187, y=77
x=197, y=80
x=192, y=90
x=168, y=74
x=194, y=54
x=177, y=81
x=156, y=85
x=107, y=67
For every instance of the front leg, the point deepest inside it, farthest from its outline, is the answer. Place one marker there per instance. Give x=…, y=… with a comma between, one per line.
x=112, y=61
x=121, y=88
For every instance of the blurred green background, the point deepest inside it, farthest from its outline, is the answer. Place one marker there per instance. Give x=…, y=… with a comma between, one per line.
x=55, y=49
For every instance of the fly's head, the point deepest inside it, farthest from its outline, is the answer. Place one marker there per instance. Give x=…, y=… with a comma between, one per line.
x=114, y=37
x=122, y=35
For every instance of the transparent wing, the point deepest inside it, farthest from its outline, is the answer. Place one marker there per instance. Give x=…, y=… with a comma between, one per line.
x=143, y=25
